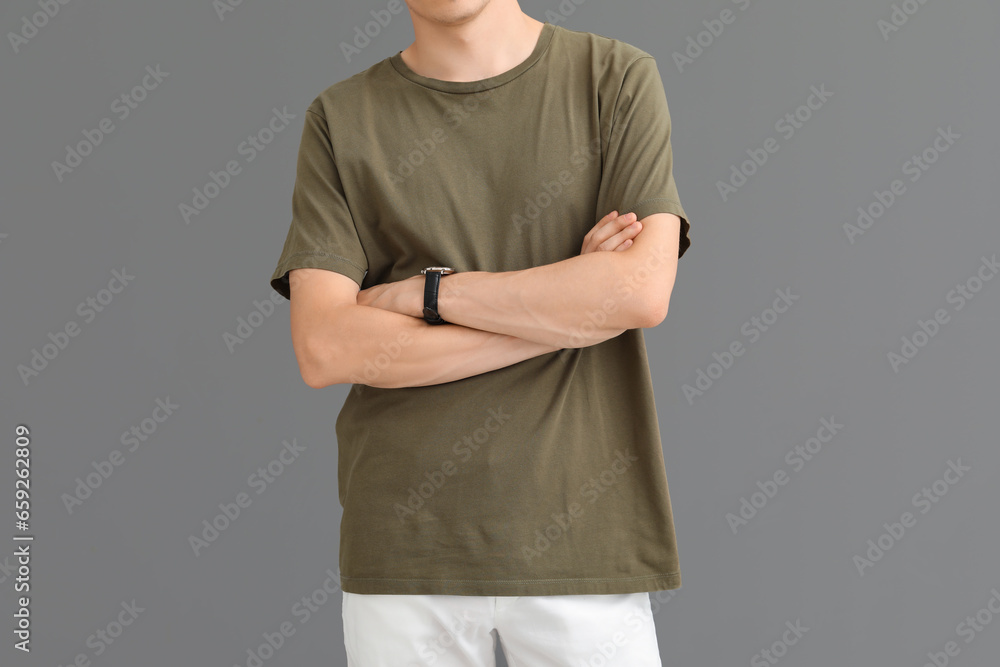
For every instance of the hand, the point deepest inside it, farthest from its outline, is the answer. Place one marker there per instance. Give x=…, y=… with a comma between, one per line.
x=612, y=232
x=405, y=297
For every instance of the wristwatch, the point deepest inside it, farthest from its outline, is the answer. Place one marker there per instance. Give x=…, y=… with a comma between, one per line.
x=432, y=282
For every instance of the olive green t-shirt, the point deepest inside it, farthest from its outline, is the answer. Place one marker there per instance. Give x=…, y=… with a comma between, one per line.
x=545, y=477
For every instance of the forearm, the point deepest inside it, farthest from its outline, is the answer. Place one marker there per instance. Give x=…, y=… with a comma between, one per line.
x=575, y=302
x=380, y=348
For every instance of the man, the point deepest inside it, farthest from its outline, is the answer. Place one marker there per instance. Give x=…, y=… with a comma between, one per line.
x=500, y=463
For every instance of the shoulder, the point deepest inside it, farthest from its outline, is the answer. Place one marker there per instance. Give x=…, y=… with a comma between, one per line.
x=610, y=65
x=608, y=54
x=341, y=100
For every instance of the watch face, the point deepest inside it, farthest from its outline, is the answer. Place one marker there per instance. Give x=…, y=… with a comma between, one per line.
x=441, y=269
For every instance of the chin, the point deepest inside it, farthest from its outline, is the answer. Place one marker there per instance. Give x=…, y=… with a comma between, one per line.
x=447, y=12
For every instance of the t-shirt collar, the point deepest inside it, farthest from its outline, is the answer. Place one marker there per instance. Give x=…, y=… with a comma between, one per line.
x=483, y=84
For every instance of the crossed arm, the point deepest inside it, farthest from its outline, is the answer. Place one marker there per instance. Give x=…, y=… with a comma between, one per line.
x=495, y=319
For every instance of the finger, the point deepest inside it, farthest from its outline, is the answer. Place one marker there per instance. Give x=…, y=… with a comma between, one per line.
x=597, y=236
x=600, y=223
x=625, y=244
x=626, y=230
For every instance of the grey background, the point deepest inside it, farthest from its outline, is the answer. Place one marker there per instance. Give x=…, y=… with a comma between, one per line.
x=826, y=357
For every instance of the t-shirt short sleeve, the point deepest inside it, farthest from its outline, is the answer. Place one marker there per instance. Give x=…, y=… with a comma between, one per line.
x=638, y=169
x=322, y=234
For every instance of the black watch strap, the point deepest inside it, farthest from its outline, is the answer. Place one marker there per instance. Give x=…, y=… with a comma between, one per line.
x=432, y=283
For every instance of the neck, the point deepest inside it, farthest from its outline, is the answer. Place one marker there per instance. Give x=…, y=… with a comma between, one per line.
x=471, y=47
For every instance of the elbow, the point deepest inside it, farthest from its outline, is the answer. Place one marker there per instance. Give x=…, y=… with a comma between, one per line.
x=321, y=367
x=653, y=310
x=317, y=365
x=314, y=376
x=658, y=314
x=652, y=317
x=647, y=292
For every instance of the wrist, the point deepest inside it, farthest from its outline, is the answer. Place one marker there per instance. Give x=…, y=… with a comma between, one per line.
x=448, y=294
x=432, y=287
x=415, y=298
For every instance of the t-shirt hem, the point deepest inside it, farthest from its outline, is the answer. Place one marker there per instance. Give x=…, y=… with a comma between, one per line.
x=581, y=586
x=314, y=260
x=648, y=207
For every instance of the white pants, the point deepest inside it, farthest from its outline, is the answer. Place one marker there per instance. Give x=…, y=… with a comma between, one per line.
x=534, y=631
